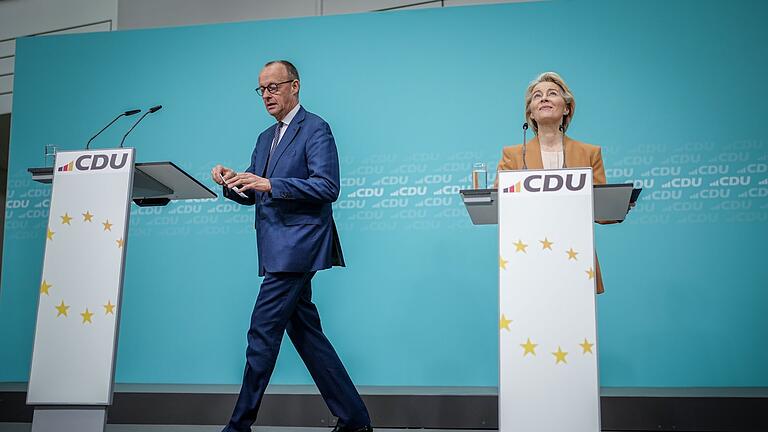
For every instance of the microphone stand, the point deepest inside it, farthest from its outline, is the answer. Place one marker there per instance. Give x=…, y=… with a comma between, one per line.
x=127, y=113
x=149, y=111
x=525, y=129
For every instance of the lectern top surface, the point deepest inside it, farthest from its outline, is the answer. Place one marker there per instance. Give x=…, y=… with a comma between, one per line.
x=157, y=180
x=183, y=185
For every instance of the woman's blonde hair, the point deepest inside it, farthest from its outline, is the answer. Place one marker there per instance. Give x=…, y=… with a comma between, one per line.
x=570, y=101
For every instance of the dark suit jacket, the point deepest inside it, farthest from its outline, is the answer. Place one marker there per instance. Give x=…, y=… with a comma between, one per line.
x=577, y=155
x=295, y=231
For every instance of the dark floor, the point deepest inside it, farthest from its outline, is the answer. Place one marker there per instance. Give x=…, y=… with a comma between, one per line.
x=26, y=427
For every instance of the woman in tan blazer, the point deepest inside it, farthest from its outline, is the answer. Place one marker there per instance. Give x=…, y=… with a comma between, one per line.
x=549, y=109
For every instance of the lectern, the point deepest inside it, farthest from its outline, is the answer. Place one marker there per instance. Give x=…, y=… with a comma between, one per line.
x=73, y=359
x=548, y=377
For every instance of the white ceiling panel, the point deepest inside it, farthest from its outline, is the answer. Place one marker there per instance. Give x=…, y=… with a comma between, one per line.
x=5, y=103
x=6, y=65
x=334, y=7
x=480, y=2
x=153, y=13
x=90, y=28
x=6, y=84
x=8, y=48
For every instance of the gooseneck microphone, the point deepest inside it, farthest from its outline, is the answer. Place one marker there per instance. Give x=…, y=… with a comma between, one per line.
x=126, y=114
x=152, y=110
x=562, y=129
x=525, y=129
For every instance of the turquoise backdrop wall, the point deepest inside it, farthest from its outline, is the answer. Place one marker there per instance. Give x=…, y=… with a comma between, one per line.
x=671, y=90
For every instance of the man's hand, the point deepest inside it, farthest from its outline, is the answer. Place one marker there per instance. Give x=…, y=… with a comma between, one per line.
x=246, y=181
x=218, y=172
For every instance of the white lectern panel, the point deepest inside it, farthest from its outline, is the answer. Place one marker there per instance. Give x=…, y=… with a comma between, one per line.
x=548, y=378
x=78, y=311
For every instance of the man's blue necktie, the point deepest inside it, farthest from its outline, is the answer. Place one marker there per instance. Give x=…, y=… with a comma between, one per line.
x=275, y=141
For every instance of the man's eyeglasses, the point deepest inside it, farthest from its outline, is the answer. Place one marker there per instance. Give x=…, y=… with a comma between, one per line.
x=271, y=88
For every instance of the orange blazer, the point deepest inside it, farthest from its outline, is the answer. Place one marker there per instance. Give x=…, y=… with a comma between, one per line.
x=577, y=155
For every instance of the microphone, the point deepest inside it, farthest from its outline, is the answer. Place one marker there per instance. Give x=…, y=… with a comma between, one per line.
x=127, y=113
x=525, y=129
x=562, y=129
x=154, y=109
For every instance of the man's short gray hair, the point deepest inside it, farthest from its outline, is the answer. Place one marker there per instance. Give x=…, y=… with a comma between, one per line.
x=293, y=73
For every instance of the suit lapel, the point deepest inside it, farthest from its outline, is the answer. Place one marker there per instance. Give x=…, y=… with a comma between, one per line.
x=533, y=154
x=286, y=140
x=567, y=150
x=263, y=154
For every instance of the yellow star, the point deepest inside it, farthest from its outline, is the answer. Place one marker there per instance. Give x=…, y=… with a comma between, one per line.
x=503, y=263
x=504, y=322
x=571, y=254
x=586, y=346
x=107, y=225
x=590, y=273
x=87, y=216
x=120, y=242
x=62, y=308
x=529, y=347
x=50, y=234
x=109, y=308
x=66, y=219
x=546, y=244
x=560, y=355
x=44, y=287
x=87, y=316
x=520, y=246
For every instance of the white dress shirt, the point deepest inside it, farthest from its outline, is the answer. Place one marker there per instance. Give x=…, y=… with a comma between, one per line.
x=287, y=120
x=552, y=159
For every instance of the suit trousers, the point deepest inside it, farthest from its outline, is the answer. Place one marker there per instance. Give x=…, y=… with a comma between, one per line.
x=285, y=304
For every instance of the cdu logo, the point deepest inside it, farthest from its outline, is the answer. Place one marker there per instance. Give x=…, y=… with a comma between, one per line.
x=95, y=162
x=514, y=188
x=549, y=183
x=66, y=167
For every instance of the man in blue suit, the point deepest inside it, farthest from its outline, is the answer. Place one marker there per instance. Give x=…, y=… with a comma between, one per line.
x=292, y=180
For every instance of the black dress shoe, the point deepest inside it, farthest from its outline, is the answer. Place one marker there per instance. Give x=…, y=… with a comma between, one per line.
x=342, y=428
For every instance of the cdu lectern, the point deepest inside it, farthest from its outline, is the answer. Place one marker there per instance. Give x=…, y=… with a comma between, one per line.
x=78, y=315
x=548, y=377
